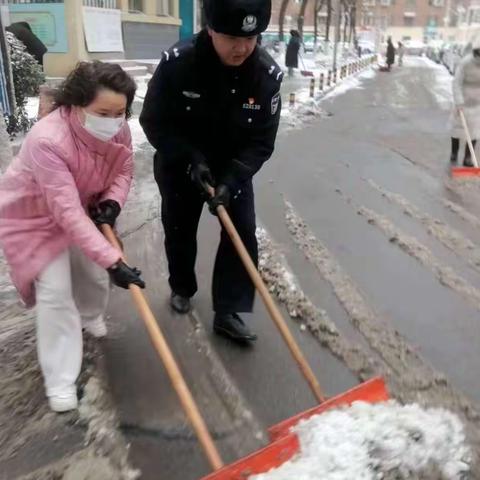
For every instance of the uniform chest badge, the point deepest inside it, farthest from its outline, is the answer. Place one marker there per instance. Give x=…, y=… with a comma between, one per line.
x=251, y=105
x=191, y=94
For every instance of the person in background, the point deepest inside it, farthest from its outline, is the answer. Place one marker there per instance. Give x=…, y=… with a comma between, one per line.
x=212, y=112
x=293, y=50
x=390, y=54
x=466, y=97
x=33, y=44
x=401, y=53
x=73, y=171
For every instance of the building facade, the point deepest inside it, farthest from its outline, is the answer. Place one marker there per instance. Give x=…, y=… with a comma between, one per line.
x=422, y=20
x=76, y=30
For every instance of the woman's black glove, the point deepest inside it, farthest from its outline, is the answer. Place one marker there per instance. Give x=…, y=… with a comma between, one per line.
x=122, y=275
x=105, y=212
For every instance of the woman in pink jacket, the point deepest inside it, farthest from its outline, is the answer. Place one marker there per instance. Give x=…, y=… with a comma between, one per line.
x=72, y=173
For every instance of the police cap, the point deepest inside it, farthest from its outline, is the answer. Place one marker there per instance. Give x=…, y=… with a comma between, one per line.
x=239, y=18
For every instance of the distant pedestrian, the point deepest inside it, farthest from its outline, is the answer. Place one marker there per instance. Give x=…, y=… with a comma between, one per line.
x=293, y=50
x=466, y=96
x=390, y=54
x=33, y=44
x=401, y=53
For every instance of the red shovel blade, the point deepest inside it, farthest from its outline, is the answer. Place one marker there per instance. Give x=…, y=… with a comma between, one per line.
x=458, y=172
x=372, y=391
x=261, y=461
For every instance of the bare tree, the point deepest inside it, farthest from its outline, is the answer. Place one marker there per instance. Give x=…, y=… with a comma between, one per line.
x=301, y=16
x=281, y=18
x=345, y=20
x=317, y=7
x=329, y=20
x=353, y=23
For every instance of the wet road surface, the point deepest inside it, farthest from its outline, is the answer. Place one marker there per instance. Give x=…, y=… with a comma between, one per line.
x=388, y=137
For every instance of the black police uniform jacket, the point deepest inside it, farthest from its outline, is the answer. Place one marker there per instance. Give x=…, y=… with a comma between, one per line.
x=198, y=109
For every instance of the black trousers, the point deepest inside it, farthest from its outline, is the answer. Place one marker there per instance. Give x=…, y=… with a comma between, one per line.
x=182, y=205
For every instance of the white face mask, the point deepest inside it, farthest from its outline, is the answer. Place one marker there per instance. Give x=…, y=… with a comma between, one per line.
x=103, y=128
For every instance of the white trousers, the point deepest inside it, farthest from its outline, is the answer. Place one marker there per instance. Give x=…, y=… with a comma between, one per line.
x=70, y=290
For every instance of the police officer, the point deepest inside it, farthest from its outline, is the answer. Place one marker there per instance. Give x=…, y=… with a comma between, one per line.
x=212, y=111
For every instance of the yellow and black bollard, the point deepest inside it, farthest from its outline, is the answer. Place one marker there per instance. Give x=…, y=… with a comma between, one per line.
x=329, y=78
x=312, y=87
x=320, y=86
x=292, y=99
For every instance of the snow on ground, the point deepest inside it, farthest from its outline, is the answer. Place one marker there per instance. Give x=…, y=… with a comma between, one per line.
x=351, y=83
x=306, y=107
x=32, y=107
x=379, y=441
x=142, y=86
x=138, y=136
x=442, y=87
x=316, y=63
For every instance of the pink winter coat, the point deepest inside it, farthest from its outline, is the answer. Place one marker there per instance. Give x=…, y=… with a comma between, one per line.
x=59, y=172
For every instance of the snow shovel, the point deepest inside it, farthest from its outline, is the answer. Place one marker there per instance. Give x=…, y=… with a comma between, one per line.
x=285, y=444
x=467, y=171
x=160, y=344
x=305, y=72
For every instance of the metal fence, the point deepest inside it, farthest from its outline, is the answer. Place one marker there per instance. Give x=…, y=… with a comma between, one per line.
x=87, y=3
x=18, y=2
x=100, y=3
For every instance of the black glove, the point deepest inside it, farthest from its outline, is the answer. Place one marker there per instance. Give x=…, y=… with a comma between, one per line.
x=105, y=212
x=122, y=275
x=222, y=197
x=201, y=176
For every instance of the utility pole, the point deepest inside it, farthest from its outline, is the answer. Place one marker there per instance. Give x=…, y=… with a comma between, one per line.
x=6, y=95
x=338, y=25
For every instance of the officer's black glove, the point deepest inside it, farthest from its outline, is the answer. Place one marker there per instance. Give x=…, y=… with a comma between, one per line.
x=222, y=197
x=105, y=212
x=122, y=275
x=201, y=176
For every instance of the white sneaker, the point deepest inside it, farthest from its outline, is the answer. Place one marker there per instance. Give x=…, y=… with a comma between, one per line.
x=96, y=328
x=63, y=403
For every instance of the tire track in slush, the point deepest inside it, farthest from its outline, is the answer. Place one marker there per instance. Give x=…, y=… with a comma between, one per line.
x=415, y=249
x=410, y=377
x=282, y=283
x=464, y=214
x=446, y=235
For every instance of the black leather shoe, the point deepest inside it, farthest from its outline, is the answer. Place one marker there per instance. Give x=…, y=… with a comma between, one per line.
x=453, y=158
x=230, y=325
x=180, y=304
x=467, y=162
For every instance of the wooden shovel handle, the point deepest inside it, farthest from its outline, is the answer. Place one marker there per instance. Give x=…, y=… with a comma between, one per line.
x=270, y=305
x=469, y=138
x=171, y=366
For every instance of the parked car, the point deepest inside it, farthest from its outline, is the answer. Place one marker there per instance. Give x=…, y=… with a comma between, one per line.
x=434, y=50
x=453, y=54
x=308, y=46
x=414, y=47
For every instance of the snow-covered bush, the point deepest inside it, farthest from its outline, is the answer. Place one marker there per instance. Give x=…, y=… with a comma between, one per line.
x=27, y=78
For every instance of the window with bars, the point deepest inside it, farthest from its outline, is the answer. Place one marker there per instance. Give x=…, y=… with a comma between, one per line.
x=135, y=5
x=474, y=16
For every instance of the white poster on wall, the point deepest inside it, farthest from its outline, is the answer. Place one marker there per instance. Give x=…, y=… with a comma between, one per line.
x=4, y=14
x=103, y=29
